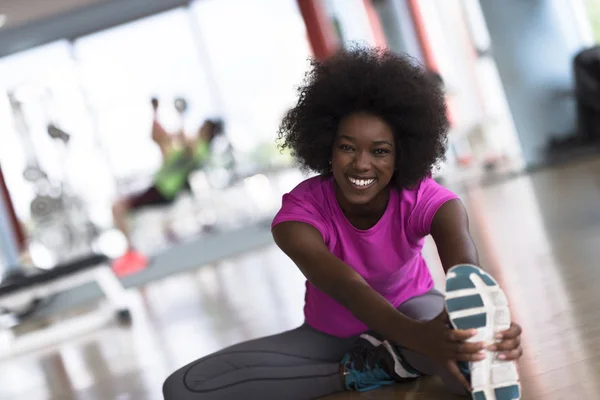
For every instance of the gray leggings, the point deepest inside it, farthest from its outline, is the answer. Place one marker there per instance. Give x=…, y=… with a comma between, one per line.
x=299, y=364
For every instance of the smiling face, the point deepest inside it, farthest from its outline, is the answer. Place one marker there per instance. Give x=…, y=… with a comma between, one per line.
x=363, y=161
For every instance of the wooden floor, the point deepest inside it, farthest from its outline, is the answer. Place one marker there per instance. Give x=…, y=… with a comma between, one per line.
x=539, y=235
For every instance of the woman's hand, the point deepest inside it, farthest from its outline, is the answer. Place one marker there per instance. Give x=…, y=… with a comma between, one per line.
x=509, y=345
x=445, y=345
x=439, y=341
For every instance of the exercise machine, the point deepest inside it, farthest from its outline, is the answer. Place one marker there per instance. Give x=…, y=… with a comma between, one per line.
x=59, y=227
x=38, y=287
x=60, y=238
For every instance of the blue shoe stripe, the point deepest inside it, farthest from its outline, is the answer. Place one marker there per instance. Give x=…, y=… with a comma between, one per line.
x=479, y=396
x=459, y=283
x=463, y=272
x=487, y=279
x=508, y=393
x=464, y=303
x=471, y=322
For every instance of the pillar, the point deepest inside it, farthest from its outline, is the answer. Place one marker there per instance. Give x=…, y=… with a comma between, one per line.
x=11, y=235
x=375, y=23
x=321, y=33
x=397, y=24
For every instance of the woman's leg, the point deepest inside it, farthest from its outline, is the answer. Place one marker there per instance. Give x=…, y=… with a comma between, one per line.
x=132, y=261
x=120, y=210
x=299, y=364
x=123, y=206
x=425, y=308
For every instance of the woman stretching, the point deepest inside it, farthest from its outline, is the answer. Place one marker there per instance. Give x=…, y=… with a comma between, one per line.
x=373, y=125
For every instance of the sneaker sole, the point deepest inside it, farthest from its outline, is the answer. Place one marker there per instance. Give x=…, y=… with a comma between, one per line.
x=475, y=301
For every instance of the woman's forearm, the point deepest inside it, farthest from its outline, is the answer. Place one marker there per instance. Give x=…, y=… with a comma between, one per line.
x=305, y=246
x=450, y=231
x=375, y=311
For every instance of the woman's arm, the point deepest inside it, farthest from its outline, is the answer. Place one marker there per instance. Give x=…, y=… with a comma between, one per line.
x=305, y=246
x=450, y=231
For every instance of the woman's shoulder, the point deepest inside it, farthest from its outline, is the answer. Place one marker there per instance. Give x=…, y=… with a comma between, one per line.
x=307, y=202
x=310, y=197
x=315, y=188
x=426, y=183
x=424, y=190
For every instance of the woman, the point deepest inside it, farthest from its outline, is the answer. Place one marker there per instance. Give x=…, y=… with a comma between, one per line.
x=180, y=156
x=373, y=125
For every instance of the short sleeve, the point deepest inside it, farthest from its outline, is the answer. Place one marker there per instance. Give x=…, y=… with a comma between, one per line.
x=295, y=208
x=430, y=197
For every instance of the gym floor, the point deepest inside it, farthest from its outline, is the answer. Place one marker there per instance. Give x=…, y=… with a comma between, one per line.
x=538, y=234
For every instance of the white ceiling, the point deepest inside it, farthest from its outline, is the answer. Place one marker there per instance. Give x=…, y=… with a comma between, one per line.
x=20, y=12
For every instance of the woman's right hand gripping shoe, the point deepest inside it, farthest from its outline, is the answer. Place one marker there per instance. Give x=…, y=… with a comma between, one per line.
x=437, y=340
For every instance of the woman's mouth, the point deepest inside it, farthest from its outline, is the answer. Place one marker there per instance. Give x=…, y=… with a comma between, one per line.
x=361, y=183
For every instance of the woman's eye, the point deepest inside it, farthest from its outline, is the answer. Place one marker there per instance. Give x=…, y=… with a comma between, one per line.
x=381, y=152
x=345, y=147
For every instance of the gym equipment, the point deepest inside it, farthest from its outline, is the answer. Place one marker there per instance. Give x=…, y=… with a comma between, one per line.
x=60, y=227
x=181, y=106
x=41, y=285
x=586, y=68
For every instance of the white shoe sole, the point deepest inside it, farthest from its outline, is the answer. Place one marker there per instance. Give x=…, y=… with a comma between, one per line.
x=475, y=301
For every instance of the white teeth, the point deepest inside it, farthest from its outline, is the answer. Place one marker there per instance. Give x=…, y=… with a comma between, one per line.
x=361, y=182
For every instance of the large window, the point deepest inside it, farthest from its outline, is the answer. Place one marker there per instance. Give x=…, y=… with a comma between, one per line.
x=351, y=21
x=593, y=10
x=234, y=59
x=32, y=97
x=258, y=53
x=122, y=68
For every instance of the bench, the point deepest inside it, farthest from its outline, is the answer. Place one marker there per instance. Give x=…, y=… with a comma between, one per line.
x=27, y=289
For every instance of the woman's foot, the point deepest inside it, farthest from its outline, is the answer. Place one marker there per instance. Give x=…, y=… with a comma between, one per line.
x=475, y=301
x=372, y=363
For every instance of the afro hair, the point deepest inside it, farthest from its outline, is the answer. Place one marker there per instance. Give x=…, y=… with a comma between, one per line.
x=377, y=81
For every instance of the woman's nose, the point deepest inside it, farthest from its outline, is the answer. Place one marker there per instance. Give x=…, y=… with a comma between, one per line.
x=362, y=161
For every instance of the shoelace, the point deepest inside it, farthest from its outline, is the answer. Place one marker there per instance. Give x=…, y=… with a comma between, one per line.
x=370, y=379
x=366, y=373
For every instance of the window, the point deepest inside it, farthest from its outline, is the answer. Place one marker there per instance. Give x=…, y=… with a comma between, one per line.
x=122, y=68
x=47, y=95
x=258, y=55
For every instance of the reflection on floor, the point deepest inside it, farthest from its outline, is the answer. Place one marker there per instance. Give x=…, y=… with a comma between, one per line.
x=538, y=235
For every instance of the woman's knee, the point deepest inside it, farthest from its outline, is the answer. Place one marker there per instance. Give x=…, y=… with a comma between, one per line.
x=174, y=387
x=168, y=387
x=424, y=308
x=120, y=206
x=196, y=379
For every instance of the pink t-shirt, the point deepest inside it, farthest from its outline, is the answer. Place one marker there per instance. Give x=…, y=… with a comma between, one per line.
x=387, y=255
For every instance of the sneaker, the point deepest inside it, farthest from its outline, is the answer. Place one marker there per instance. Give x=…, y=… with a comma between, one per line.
x=372, y=363
x=129, y=263
x=475, y=301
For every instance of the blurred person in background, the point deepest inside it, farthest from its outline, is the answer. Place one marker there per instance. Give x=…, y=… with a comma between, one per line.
x=180, y=156
x=374, y=126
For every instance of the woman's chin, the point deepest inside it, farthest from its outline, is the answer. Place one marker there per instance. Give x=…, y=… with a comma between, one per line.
x=359, y=199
